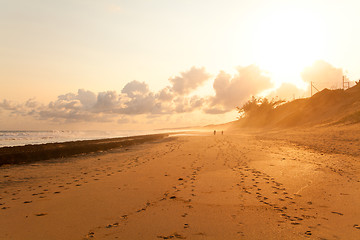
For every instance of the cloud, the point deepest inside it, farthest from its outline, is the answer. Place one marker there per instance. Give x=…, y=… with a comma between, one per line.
x=86, y=106
x=87, y=98
x=189, y=80
x=323, y=75
x=141, y=104
x=107, y=101
x=232, y=91
x=72, y=107
x=7, y=105
x=136, y=99
x=16, y=109
x=165, y=95
x=135, y=88
x=214, y=110
x=185, y=104
x=66, y=115
x=288, y=91
x=31, y=103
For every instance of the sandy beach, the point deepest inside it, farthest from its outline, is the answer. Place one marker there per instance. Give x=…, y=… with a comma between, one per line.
x=244, y=185
x=196, y=120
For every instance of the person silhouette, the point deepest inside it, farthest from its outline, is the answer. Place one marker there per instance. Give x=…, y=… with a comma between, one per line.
x=214, y=132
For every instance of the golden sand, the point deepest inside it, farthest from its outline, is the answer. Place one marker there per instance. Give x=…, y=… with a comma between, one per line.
x=240, y=186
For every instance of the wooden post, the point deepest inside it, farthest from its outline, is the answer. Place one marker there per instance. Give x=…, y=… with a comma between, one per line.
x=346, y=83
x=312, y=86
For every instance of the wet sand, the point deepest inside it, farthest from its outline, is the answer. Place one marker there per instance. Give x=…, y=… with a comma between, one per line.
x=240, y=186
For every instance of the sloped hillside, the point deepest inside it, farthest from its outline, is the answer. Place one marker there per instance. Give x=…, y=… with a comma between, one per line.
x=327, y=106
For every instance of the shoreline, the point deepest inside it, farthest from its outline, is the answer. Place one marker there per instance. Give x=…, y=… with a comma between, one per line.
x=33, y=137
x=38, y=152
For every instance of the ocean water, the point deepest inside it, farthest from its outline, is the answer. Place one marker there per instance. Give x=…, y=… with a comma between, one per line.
x=20, y=138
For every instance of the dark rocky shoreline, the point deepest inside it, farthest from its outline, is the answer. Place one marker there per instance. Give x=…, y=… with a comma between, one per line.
x=32, y=153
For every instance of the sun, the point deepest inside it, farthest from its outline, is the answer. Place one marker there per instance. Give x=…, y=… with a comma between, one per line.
x=285, y=42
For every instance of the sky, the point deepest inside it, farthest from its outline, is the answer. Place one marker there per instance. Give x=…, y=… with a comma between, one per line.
x=141, y=64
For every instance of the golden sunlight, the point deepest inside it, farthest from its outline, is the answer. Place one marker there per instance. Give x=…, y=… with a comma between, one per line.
x=286, y=42
x=179, y=119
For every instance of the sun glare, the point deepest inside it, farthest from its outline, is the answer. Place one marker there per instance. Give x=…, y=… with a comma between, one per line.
x=286, y=42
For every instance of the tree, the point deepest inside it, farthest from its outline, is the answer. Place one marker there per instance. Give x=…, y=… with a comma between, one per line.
x=257, y=106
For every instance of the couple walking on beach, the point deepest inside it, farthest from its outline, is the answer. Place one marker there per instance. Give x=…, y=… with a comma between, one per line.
x=222, y=132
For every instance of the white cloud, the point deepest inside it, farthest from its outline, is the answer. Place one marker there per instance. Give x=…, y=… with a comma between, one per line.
x=288, y=91
x=232, y=91
x=323, y=74
x=189, y=80
x=136, y=99
x=135, y=88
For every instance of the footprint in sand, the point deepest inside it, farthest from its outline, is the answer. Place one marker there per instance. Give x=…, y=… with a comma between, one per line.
x=356, y=226
x=171, y=236
x=338, y=213
x=40, y=214
x=91, y=234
